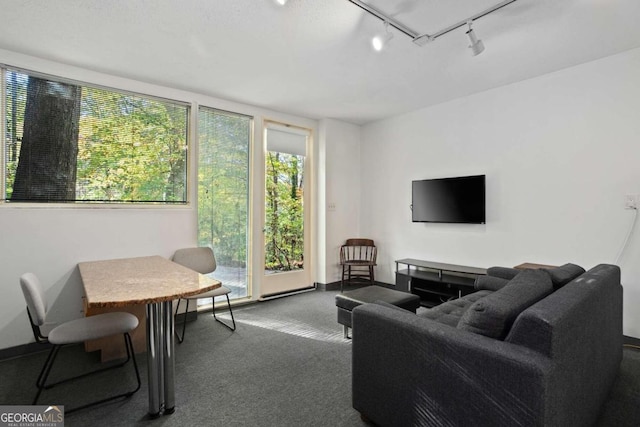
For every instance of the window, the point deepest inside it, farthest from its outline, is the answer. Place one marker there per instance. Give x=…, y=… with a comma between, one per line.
x=223, y=194
x=69, y=142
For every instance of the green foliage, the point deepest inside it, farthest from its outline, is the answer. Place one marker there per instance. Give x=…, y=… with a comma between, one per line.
x=130, y=148
x=16, y=101
x=284, y=225
x=223, y=185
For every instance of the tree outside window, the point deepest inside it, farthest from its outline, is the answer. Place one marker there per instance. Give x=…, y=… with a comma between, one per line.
x=74, y=143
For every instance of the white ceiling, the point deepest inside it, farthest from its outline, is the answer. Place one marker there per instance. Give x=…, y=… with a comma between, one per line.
x=312, y=57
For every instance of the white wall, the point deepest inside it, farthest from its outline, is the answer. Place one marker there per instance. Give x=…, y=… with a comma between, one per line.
x=340, y=205
x=559, y=152
x=50, y=241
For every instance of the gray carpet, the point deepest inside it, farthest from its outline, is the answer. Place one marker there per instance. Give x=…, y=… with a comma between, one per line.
x=286, y=365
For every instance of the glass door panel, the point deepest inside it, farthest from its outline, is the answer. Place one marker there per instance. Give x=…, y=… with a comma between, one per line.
x=284, y=208
x=223, y=196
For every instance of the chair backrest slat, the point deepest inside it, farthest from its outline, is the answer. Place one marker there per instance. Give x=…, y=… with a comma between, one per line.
x=359, y=242
x=358, y=250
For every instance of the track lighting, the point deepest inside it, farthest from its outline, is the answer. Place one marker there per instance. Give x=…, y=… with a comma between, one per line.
x=476, y=46
x=380, y=40
x=421, y=39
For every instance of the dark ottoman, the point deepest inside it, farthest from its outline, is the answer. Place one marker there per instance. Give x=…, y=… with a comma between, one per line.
x=347, y=301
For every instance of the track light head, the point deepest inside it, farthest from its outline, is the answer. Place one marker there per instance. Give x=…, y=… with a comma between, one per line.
x=476, y=46
x=379, y=41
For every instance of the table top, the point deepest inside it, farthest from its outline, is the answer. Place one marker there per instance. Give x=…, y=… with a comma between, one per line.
x=142, y=280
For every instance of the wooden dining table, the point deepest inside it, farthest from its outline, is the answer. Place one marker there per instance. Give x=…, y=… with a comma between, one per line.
x=155, y=282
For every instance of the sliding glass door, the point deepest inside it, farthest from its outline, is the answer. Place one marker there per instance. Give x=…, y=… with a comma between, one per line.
x=223, y=195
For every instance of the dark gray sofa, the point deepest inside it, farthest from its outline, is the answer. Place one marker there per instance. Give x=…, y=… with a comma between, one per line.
x=549, y=363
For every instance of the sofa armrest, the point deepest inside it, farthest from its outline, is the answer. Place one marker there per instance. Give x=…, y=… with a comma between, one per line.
x=409, y=370
x=489, y=283
x=503, y=272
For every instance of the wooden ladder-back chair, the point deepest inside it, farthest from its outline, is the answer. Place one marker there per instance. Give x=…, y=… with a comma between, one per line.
x=357, y=258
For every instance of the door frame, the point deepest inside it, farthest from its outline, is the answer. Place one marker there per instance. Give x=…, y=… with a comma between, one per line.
x=289, y=281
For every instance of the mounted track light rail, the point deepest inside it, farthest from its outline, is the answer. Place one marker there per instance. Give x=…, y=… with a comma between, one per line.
x=384, y=18
x=422, y=39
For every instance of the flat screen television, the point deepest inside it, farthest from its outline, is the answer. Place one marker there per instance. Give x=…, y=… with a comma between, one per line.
x=449, y=200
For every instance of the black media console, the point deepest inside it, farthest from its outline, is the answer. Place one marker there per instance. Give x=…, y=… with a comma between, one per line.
x=435, y=282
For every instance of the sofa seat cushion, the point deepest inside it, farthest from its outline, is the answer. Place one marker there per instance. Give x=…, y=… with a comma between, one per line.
x=451, y=312
x=494, y=314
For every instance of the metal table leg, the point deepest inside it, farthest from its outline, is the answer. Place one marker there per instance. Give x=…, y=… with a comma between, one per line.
x=153, y=358
x=168, y=357
x=160, y=358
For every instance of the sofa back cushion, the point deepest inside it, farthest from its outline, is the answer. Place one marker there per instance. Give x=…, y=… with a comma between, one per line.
x=493, y=315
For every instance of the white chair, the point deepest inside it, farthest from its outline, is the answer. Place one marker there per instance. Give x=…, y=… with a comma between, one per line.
x=75, y=331
x=203, y=261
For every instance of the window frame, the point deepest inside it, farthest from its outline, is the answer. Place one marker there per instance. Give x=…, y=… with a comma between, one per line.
x=79, y=204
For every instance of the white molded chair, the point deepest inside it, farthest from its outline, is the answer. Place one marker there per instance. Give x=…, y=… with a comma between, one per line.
x=75, y=331
x=203, y=261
